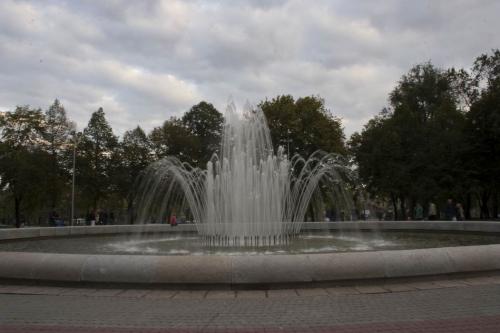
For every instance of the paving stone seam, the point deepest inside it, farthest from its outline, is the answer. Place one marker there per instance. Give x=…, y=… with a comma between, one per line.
x=359, y=289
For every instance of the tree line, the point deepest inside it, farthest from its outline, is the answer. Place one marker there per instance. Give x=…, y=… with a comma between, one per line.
x=39, y=148
x=438, y=139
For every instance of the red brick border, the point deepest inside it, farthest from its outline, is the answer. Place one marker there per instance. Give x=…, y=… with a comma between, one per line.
x=483, y=324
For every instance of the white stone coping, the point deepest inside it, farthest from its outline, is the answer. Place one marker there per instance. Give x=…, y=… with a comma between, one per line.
x=32, y=232
x=258, y=269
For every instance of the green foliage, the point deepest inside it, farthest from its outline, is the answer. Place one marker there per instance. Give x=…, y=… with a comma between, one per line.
x=57, y=131
x=204, y=122
x=22, y=128
x=192, y=139
x=57, y=128
x=438, y=138
x=411, y=152
x=23, y=162
x=135, y=154
x=482, y=134
x=303, y=126
x=97, y=159
x=174, y=139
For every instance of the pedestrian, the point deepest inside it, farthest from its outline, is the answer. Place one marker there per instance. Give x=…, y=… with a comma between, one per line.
x=93, y=217
x=432, y=211
x=58, y=222
x=103, y=217
x=379, y=211
x=52, y=218
x=173, y=220
x=419, y=212
x=449, y=211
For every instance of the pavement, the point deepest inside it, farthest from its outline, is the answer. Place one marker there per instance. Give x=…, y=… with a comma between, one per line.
x=466, y=304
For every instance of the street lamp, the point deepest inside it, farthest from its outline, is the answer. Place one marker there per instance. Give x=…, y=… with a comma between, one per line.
x=76, y=137
x=288, y=143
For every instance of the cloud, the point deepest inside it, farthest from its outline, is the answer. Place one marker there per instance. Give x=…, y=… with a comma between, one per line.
x=145, y=61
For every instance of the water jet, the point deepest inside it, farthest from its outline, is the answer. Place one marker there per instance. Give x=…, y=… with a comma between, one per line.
x=248, y=195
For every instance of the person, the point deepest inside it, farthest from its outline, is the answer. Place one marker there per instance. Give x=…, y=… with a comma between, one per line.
x=52, y=218
x=173, y=220
x=379, y=212
x=103, y=218
x=55, y=220
x=459, y=212
x=92, y=218
x=419, y=212
x=449, y=211
x=432, y=211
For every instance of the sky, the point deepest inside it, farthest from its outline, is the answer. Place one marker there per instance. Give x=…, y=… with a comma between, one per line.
x=146, y=61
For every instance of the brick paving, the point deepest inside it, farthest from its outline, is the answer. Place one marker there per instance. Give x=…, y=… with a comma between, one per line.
x=445, y=305
x=483, y=324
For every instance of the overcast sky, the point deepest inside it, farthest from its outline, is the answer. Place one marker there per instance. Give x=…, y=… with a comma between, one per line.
x=145, y=61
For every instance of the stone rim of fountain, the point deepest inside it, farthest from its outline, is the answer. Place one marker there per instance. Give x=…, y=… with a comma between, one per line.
x=249, y=270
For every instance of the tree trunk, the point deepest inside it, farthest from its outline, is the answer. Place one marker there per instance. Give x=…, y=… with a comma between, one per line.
x=483, y=204
x=495, y=206
x=17, y=211
x=52, y=177
x=310, y=212
x=468, y=204
x=130, y=212
x=412, y=203
x=95, y=202
x=394, y=200
x=403, y=209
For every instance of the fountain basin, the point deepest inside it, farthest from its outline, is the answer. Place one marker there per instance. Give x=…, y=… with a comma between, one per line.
x=244, y=269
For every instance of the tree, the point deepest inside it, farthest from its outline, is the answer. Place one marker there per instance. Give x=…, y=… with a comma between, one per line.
x=97, y=159
x=135, y=155
x=23, y=164
x=204, y=122
x=57, y=132
x=174, y=139
x=482, y=156
x=378, y=155
x=23, y=127
x=303, y=126
x=193, y=139
x=411, y=151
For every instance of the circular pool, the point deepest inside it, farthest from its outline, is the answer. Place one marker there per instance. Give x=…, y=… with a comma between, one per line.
x=188, y=243
x=323, y=252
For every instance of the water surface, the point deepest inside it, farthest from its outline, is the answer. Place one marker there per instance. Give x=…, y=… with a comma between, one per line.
x=191, y=244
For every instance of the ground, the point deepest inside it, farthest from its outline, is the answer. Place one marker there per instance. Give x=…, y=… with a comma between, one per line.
x=465, y=304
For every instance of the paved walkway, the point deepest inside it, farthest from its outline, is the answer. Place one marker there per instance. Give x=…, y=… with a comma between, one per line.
x=458, y=305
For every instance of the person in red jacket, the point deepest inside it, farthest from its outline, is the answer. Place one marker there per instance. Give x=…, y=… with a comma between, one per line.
x=173, y=220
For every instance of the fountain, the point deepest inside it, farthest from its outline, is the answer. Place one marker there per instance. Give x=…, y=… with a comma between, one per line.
x=249, y=207
x=248, y=195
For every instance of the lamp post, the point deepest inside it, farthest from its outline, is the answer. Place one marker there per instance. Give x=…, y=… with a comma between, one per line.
x=288, y=143
x=75, y=142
